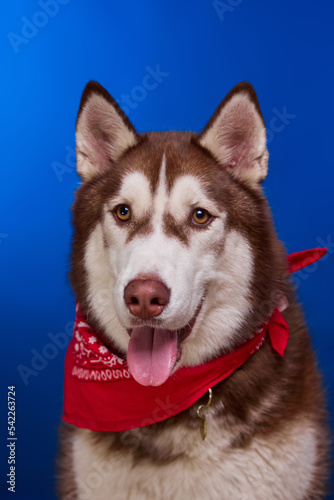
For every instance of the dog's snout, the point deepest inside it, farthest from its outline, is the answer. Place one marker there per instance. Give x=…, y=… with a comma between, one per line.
x=146, y=298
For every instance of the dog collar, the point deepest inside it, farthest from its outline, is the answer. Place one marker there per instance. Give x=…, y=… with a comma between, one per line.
x=100, y=393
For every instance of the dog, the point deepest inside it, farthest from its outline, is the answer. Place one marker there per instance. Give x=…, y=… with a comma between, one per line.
x=177, y=266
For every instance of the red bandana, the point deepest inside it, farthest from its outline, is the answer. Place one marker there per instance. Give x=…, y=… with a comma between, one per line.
x=100, y=393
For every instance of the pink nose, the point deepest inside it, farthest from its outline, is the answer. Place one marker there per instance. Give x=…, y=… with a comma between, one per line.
x=146, y=298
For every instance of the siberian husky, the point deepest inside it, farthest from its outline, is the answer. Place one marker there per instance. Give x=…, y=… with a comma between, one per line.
x=176, y=262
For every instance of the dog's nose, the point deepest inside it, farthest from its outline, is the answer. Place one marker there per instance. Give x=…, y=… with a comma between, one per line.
x=146, y=298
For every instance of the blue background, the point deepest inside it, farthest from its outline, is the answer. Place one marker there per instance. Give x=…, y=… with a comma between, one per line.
x=285, y=49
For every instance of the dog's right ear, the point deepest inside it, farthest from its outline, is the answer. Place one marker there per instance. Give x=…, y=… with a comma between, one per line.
x=103, y=132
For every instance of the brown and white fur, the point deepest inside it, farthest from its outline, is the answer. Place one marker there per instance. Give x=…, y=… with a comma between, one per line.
x=267, y=428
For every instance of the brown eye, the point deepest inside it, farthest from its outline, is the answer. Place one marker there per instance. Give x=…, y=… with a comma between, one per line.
x=200, y=216
x=123, y=212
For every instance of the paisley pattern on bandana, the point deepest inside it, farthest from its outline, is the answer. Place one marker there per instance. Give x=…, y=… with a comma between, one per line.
x=92, y=359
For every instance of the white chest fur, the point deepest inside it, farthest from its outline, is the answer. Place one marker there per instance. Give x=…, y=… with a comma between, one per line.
x=279, y=467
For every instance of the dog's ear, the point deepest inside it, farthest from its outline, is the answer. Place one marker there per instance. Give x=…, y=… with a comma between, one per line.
x=103, y=132
x=236, y=135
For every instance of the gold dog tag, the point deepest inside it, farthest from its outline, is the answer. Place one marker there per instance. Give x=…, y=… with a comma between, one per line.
x=204, y=427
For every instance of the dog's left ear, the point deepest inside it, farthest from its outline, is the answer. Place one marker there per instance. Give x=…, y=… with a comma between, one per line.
x=103, y=132
x=236, y=135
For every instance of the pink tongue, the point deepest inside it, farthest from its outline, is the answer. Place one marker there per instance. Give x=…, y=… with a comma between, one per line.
x=152, y=354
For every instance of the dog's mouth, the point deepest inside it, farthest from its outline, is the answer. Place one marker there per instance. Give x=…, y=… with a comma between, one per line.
x=153, y=352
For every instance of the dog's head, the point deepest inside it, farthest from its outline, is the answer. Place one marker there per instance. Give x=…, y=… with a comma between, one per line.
x=174, y=256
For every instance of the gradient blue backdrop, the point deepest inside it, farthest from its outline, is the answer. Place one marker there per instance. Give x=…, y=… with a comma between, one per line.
x=284, y=48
